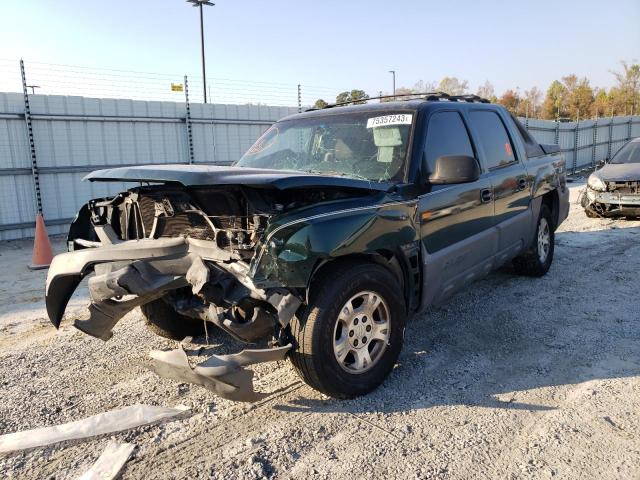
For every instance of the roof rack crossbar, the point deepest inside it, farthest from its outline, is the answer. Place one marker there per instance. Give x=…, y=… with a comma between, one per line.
x=428, y=96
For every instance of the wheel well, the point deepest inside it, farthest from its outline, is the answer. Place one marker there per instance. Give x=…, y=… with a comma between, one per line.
x=385, y=258
x=552, y=201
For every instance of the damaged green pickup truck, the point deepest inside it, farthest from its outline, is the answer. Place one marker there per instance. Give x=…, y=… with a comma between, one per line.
x=333, y=228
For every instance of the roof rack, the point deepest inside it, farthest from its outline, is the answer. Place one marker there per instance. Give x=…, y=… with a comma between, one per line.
x=428, y=96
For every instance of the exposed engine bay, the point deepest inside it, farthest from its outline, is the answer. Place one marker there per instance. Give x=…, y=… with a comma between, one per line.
x=192, y=248
x=233, y=217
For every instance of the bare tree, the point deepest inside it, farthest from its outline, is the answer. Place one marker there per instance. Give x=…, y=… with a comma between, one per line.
x=408, y=93
x=627, y=90
x=530, y=104
x=422, y=87
x=487, y=91
x=453, y=86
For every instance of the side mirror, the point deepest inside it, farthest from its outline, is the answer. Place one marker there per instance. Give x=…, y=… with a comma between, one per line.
x=602, y=163
x=450, y=169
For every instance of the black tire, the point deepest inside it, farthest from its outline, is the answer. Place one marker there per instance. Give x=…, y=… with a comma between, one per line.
x=163, y=320
x=531, y=263
x=314, y=333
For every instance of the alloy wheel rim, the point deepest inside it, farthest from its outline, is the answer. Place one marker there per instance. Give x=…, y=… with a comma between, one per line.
x=361, y=333
x=544, y=240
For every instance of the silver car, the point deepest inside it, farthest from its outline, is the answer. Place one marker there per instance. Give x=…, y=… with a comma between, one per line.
x=614, y=189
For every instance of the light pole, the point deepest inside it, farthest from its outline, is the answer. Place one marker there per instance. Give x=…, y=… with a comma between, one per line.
x=199, y=4
x=393, y=72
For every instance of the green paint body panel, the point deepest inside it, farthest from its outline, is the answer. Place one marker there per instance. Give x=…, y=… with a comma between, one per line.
x=296, y=244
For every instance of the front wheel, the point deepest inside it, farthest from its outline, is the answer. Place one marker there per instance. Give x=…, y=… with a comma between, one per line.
x=163, y=320
x=536, y=261
x=350, y=335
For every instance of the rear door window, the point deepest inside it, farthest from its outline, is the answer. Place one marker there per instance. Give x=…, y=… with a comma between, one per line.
x=446, y=135
x=493, y=139
x=533, y=149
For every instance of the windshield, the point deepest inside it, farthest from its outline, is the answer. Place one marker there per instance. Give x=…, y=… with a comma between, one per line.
x=630, y=153
x=367, y=145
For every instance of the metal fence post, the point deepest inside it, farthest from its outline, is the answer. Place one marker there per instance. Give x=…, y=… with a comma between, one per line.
x=557, y=131
x=299, y=99
x=188, y=120
x=610, y=137
x=595, y=143
x=575, y=144
x=629, y=127
x=32, y=144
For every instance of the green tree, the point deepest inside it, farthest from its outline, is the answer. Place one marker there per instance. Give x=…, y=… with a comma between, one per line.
x=601, y=103
x=354, y=96
x=320, y=104
x=553, y=105
x=579, y=96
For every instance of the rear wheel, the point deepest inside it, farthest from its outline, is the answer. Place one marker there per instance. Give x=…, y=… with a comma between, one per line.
x=351, y=333
x=162, y=319
x=535, y=262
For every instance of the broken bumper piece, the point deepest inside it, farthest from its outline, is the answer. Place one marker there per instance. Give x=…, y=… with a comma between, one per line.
x=144, y=268
x=611, y=204
x=222, y=374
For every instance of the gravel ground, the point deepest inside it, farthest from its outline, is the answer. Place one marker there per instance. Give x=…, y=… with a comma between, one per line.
x=512, y=378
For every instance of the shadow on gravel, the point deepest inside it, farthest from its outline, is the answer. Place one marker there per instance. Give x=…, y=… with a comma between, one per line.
x=507, y=335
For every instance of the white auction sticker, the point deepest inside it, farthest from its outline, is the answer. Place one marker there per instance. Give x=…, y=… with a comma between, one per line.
x=386, y=120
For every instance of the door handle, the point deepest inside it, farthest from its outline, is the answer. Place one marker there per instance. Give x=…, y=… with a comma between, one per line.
x=522, y=183
x=486, y=195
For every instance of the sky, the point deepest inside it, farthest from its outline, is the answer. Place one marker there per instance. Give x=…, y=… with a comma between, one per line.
x=332, y=44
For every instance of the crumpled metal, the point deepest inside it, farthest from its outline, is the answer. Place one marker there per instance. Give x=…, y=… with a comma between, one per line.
x=221, y=374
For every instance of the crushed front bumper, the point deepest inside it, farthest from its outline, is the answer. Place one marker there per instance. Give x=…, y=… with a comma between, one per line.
x=131, y=273
x=610, y=204
x=153, y=267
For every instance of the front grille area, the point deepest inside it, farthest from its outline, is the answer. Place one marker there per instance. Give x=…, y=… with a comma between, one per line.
x=148, y=213
x=188, y=224
x=624, y=188
x=175, y=217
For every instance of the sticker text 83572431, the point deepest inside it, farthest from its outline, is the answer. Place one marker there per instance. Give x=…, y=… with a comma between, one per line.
x=386, y=120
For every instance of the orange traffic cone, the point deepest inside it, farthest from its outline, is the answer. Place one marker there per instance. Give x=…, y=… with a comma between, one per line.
x=42, y=253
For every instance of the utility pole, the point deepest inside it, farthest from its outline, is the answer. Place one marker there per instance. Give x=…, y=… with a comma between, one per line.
x=33, y=88
x=393, y=72
x=199, y=4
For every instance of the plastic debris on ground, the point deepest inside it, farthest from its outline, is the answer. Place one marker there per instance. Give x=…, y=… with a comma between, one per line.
x=103, y=423
x=110, y=462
